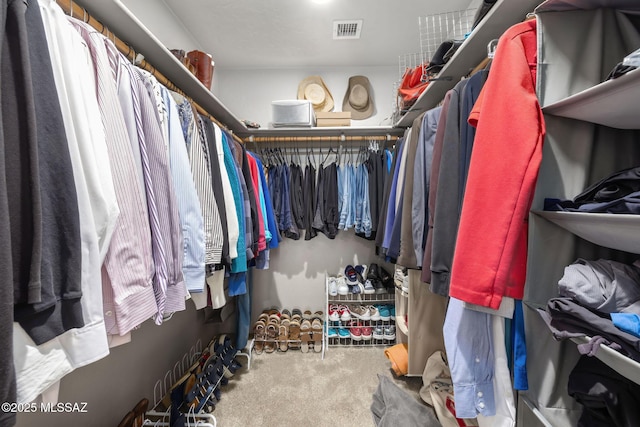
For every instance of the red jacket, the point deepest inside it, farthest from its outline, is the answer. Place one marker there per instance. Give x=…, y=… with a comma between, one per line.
x=491, y=248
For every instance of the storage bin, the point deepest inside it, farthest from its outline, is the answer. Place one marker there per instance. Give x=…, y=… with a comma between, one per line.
x=296, y=112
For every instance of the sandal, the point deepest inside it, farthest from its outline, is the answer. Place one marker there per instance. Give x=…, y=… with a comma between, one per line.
x=283, y=338
x=294, y=334
x=259, y=336
x=272, y=335
x=316, y=327
x=305, y=335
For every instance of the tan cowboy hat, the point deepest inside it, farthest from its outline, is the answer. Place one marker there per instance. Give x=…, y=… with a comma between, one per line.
x=313, y=89
x=358, y=98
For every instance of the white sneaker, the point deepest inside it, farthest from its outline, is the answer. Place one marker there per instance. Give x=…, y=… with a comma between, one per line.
x=342, y=287
x=333, y=286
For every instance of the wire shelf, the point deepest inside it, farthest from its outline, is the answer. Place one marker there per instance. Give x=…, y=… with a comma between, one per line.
x=436, y=28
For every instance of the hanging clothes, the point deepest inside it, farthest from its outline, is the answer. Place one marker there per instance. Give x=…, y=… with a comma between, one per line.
x=198, y=158
x=47, y=304
x=513, y=75
x=216, y=180
x=425, y=276
x=128, y=299
x=422, y=184
x=309, y=200
x=166, y=233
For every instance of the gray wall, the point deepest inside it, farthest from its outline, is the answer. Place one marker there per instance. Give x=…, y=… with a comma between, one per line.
x=113, y=385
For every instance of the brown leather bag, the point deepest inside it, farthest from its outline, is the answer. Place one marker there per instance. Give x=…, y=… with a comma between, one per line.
x=204, y=66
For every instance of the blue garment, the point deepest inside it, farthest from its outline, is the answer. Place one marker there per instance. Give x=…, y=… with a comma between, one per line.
x=287, y=225
x=520, y=381
x=351, y=217
x=271, y=221
x=363, y=212
x=389, y=156
x=467, y=132
x=468, y=342
x=246, y=207
x=243, y=307
x=627, y=322
x=394, y=241
x=238, y=264
x=187, y=200
x=344, y=195
x=391, y=207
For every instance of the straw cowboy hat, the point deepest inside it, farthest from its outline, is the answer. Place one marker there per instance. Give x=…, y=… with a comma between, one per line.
x=358, y=98
x=313, y=89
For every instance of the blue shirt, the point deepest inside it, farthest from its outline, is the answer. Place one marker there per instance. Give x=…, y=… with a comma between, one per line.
x=187, y=200
x=468, y=341
x=238, y=264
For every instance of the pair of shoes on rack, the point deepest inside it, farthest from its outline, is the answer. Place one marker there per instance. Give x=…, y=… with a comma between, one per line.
x=339, y=313
x=379, y=279
x=384, y=333
x=359, y=332
x=311, y=331
x=355, y=274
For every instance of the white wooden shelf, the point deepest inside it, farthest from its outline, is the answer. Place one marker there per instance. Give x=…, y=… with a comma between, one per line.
x=129, y=29
x=616, y=231
x=502, y=15
x=614, y=103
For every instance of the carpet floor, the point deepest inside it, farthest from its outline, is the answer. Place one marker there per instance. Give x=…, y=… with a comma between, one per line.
x=294, y=389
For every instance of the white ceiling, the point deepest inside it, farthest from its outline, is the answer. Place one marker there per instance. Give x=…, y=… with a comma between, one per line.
x=297, y=33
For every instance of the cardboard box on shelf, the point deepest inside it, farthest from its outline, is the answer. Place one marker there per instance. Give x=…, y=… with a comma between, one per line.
x=341, y=118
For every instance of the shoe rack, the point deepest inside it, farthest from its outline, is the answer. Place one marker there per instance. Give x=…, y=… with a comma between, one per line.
x=288, y=330
x=358, y=299
x=189, y=392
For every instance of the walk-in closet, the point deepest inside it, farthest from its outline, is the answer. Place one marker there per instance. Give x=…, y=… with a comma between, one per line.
x=320, y=213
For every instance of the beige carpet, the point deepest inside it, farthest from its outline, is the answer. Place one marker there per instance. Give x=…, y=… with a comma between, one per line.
x=294, y=389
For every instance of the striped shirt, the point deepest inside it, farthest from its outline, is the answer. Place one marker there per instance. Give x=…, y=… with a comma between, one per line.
x=187, y=199
x=202, y=180
x=127, y=272
x=166, y=233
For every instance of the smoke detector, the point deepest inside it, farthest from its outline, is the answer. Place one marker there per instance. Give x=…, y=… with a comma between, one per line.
x=347, y=30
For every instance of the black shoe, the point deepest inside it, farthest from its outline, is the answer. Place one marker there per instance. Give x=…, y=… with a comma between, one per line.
x=373, y=273
x=386, y=278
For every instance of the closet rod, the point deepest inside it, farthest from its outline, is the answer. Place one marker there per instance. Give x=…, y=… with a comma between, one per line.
x=74, y=10
x=336, y=138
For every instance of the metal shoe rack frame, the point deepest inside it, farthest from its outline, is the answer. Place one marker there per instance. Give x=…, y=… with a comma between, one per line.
x=297, y=342
x=359, y=299
x=163, y=387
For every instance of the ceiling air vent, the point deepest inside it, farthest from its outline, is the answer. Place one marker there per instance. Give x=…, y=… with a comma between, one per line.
x=347, y=30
